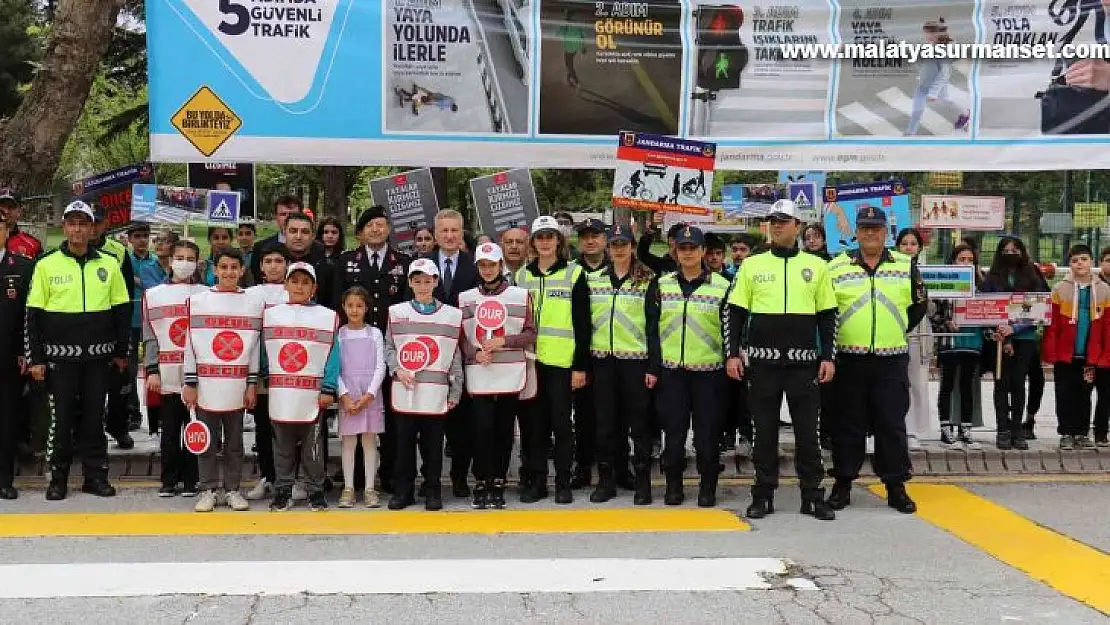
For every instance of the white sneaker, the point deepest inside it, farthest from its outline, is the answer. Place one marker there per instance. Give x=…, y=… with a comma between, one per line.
x=912, y=441
x=236, y=502
x=299, y=493
x=207, y=502
x=261, y=490
x=248, y=422
x=869, y=446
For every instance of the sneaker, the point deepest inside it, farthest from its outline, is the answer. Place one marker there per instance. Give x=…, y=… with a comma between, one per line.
x=370, y=498
x=261, y=490
x=281, y=501
x=743, y=448
x=317, y=502
x=912, y=442
x=962, y=121
x=299, y=493
x=167, y=491
x=1083, y=442
x=237, y=502
x=948, y=438
x=969, y=443
x=346, y=498
x=207, y=502
x=1101, y=441
x=190, y=490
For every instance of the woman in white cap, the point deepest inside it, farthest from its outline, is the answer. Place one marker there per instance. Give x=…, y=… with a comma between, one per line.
x=561, y=301
x=497, y=329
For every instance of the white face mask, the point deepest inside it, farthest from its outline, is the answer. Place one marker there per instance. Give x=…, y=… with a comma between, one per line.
x=183, y=269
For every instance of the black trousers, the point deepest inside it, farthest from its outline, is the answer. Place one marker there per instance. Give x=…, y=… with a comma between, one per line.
x=875, y=396
x=123, y=395
x=387, y=444
x=621, y=398
x=738, y=414
x=1073, y=399
x=178, y=465
x=1009, y=390
x=767, y=384
x=1036, y=383
x=264, y=438
x=493, y=434
x=585, y=427
x=691, y=395
x=459, y=429
x=1102, y=408
x=550, y=414
x=957, y=369
x=77, y=393
x=429, y=431
x=11, y=388
x=524, y=428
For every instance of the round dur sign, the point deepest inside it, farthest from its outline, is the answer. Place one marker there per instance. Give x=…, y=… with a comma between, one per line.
x=491, y=314
x=433, y=347
x=414, y=356
x=178, y=329
x=227, y=346
x=196, y=437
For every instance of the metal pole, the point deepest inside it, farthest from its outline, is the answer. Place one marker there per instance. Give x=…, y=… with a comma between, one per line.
x=1069, y=207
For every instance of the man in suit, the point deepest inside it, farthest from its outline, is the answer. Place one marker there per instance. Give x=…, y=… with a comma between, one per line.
x=457, y=274
x=382, y=270
x=284, y=206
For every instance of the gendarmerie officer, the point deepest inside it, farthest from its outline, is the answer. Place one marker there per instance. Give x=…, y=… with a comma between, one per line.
x=78, y=326
x=879, y=294
x=382, y=270
x=784, y=300
x=15, y=279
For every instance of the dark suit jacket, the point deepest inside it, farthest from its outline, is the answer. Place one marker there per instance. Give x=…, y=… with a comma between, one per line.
x=463, y=278
x=260, y=247
x=387, y=286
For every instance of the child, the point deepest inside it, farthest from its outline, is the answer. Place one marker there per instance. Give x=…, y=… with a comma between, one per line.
x=165, y=316
x=274, y=262
x=959, y=362
x=221, y=374
x=1076, y=343
x=422, y=397
x=361, y=372
x=301, y=365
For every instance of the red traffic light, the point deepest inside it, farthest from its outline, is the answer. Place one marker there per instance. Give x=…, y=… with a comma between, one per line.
x=726, y=19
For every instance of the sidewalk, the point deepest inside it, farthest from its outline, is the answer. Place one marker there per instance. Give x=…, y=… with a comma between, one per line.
x=143, y=462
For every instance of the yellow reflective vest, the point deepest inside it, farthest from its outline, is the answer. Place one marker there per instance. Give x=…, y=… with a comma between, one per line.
x=690, y=327
x=551, y=300
x=619, y=317
x=872, y=307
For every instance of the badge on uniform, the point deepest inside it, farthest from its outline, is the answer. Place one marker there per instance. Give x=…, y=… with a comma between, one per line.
x=807, y=274
x=102, y=273
x=11, y=293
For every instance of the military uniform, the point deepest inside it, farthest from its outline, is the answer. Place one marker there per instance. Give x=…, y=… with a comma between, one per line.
x=15, y=278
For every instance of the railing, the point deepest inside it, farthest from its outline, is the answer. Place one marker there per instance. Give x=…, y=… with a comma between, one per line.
x=495, y=100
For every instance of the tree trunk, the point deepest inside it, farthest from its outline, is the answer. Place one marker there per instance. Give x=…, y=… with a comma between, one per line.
x=336, y=191
x=31, y=142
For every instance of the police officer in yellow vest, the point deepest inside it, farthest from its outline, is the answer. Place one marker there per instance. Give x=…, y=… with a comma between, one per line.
x=784, y=300
x=686, y=348
x=561, y=305
x=879, y=294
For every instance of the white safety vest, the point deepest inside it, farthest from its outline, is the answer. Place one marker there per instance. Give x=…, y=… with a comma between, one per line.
x=299, y=340
x=441, y=328
x=272, y=294
x=166, y=309
x=224, y=329
x=508, y=372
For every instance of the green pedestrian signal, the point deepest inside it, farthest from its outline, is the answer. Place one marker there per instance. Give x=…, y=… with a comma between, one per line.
x=722, y=66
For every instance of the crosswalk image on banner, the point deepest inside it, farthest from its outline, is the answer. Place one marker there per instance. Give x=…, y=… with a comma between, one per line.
x=222, y=212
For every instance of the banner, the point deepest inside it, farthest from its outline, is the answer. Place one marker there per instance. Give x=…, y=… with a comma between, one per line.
x=550, y=83
x=111, y=191
x=237, y=177
x=960, y=211
x=1004, y=308
x=719, y=219
x=505, y=200
x=948, y=281
x=655, y=172
x=163, y=204
x=843, y=202
x=410, y=200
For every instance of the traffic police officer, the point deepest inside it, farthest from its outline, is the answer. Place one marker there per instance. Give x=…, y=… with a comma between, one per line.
x=879, y=294
x=686, y=344
x=15, y=278
x=382, y=270
x=592, y=259
x=78, y=319
x=784, y=300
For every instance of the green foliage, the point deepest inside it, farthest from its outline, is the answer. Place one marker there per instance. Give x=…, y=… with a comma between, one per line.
x=19, y=50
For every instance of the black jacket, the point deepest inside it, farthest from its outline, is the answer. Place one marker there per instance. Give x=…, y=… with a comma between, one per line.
x=15, y=283
x=327, y=291
x=387, y=286
x=463, y=277
x=260, y=247
x=659, y=264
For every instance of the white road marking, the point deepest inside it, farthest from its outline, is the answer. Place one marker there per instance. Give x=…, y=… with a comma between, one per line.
x=930, y=119
x=870, y=122
x=761, y=104
x=45, y=581
x=784, y=130
x=781, y=85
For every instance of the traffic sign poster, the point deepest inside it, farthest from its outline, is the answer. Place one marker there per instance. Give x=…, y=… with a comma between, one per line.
x=805, y=198
x=505, y=200
x=948, y=281
x=223, y=207
x=999, y=308
x=842, y=203
x=227, y=177
x=164, y=204
x=410, y=199
x=961, y=211
x=656, y=172
x=111, y=191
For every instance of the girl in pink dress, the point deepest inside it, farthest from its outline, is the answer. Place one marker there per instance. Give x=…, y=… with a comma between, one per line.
x=362, y=370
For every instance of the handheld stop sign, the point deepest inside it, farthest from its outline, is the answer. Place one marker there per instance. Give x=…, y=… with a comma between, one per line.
x=415, y=356
x=491, y=315
x=196, y=436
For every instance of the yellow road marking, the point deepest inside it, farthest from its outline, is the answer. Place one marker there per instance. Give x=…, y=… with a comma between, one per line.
x=656, y=98
x=341, y=522
x=1072, y=568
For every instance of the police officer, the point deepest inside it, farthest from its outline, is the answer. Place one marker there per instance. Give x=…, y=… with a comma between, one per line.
x=784, y=300
x=78, y=326
x=686, y=343
x=15, y=278
x=879, y=294
x=382, y=270
x=593, y=260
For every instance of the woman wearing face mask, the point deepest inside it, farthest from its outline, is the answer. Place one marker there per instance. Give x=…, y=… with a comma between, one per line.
x=918, y=421
x=1012, y=271
x=164, y=327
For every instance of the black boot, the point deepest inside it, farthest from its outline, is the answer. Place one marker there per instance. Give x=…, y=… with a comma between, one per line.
x=841, y=495
x=124, y=440
x=537, y=490
x=643, y=487
x=762, y=505
x=459, y=487
x=1018, y=440
x=402, y=497
x=481, y=496
x=606, y=485
x=98, y=485
x=59, y=486
x=899, y=499
x=707, y=491
x=497, y=494
x=8, y=492
x=583, y=477
x=432, y=499
x=814, y=505
x=674, y=495
x=564, y=494
x=625, y=478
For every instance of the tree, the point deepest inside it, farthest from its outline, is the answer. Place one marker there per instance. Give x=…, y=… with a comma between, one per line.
x=18, y=52
x=31, y=142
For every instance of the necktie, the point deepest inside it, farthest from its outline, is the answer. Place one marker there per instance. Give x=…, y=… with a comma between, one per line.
x=447, y=275
x=374, y=261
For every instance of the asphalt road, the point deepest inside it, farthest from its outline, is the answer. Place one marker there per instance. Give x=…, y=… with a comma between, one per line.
x=872, y=565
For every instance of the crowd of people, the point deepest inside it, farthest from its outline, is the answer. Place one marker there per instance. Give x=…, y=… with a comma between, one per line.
x=593, y=355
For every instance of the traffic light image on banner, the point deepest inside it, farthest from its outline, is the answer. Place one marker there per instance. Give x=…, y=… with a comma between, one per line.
x=721, y=53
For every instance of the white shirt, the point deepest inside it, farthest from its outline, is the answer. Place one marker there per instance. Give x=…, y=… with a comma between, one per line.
x=381, y=252
x=443, y=257
x=2, y=252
